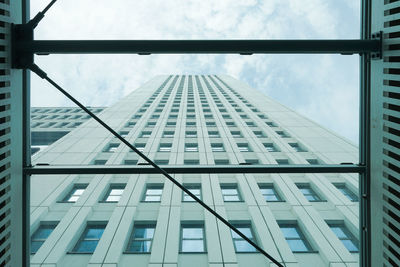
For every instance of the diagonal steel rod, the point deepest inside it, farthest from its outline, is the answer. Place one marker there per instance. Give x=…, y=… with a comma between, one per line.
x=34, y=68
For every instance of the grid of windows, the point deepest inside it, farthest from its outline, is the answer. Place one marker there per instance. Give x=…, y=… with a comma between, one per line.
x=41, y=234
x=141, y=237
x=192, y=237
x=230, y=193
x=240, y=244
x=87, y=243
x=294, y=237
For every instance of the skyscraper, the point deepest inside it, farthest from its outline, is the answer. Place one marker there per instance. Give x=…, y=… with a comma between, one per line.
x=105, y=220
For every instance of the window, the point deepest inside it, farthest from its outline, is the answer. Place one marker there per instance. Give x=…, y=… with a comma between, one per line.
x=250, y=124
x=297, y=147
x=141, y=237
x=282, y=134
x=221, y=161
x=123, y=134
x=213, y=134
x=282, y=161
x=165, y=147
x=210, y=123
x=190, y=123
x=230, y=123
x=171, y=123
x=236, y=134
x=259, y=134
x=191, y=134
x=99, y=162
x=111, y=147
x=130, y=162
x=168, y=134
x=151, y=124
x=145, y=134
x=191, y=147
x=173, y=116
x=140, y=146
x=191, y=162
x=192, y=237
x=270, y=147
x=308, y=192
x=251, y=161
x=294, y=237
x=130, y=124
x=90, y=238
x=269, y=193
x=75, y=193
x=161, y=161
x=230, y=193
x=195, y=189
x=153, y=193
x=313, y=161
x=240, y=244
x=190, y=116
x=244, y=147
x=41, y=234
x=344, y=235
x=346, y=191
x=270, y=124
x=114, y=193
x=217, y=147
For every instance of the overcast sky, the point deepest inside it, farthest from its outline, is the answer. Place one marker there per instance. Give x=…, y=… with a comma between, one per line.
x=321, y=87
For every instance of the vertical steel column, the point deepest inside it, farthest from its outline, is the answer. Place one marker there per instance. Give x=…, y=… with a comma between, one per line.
x=26, y=146
x=364, y=151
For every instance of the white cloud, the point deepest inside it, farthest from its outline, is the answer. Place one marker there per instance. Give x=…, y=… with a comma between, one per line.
x=313, y=85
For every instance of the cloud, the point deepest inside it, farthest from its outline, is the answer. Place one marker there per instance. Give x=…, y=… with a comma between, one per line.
x=322, y=87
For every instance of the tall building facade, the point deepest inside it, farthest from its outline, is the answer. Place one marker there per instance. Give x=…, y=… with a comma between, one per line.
x=144, y=220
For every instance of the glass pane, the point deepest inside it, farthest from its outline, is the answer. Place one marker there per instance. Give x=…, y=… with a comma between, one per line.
x=79, y=191
x=350, y=245
x=229, y=191
x=154, y=192
x=290, y=232
x=116, y=191
x=311, y=197
x=188, y=198
x=271, y=198
x=306, y=191
x=73, y=199
x=231, y=198
x=144, y=233
x=140, y=246
x=192, y=233
x=153, y=198
x=113, y=198
x=43, y=232
x=94, y=233
x=243, y=246
x=35, y=245
x=338, y=232
x=246, y=231
x=86, y=246
x=267, y=191
x=192, y=246
x=297, y=245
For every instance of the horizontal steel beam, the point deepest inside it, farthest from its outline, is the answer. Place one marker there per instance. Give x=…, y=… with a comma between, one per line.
x=186, y=169
x=146, y=47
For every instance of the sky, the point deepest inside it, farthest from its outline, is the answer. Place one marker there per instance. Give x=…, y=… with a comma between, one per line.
x=324, y=88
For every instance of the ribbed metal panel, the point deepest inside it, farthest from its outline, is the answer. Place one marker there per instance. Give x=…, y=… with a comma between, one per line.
x=385, y=142
x=5, y=131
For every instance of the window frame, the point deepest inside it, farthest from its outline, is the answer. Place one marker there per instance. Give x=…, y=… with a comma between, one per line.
x=75, y=186
x=194, y=225
x=89, y=225
x=150, y=186
x=42, y=224
x=112, y=186
x=140, y=225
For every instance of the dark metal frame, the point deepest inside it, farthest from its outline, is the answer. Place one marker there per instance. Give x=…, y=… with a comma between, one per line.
x=24, y=47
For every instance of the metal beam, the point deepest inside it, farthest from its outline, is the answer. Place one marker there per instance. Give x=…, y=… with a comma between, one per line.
x=145, y=47
x=199, y=169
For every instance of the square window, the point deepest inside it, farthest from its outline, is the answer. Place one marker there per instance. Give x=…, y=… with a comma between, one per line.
x=240, y=244
x=191, y=147
x=230, y=193
x=217, y=147
x=75, y=193
x=114, y=193
x=153, y=193
x=90, y=238
x=192, y=237
x=41, y=234
x=195, y=189
x=141, y=237
x=294, y=237
x=269, y=193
